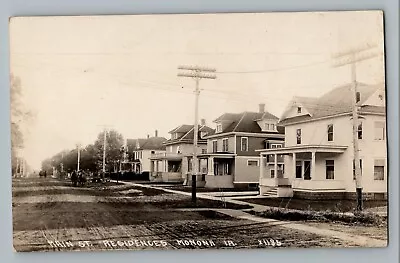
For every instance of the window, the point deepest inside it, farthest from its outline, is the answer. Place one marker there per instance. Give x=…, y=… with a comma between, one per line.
x=215, y=146
x=225, y=145
x=219, y=127
x=379, y=170
x=330, y=132
x=153, y=152
x=225, y=168
x=330, y=169
x=274, y=146
x=298, y=136
x=272, y=173
x=270, y=126
x=298, y=169
x=360, y=131
x=298, y=109
x=203, y=151
x=189, y=164
x=379, y=130
x=354, y=169
x=252, y=163
x=244, y=144
x=358, y=97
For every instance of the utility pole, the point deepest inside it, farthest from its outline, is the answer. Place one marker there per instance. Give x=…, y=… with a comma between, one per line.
x=78, y=146
x=351, y=57
x=104, y=152
x=196, y=73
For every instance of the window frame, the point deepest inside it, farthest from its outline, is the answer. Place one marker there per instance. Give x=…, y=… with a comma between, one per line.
x=360, y=131
x=330, y=165
x=299, y=109
x=250, y=160
x=225, y=147
x=247, y=144
x=330, y=132
x=381, y=163
x=381, y=129
x=298, y=136
x=219, y=127
x=214, y=143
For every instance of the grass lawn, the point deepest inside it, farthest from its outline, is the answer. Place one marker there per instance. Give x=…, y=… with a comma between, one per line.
x=316, y=205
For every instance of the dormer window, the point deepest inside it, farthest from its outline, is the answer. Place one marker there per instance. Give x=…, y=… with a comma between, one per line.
x=268, y=126
x=219, y=127
x=175, y=136
x=298, y=109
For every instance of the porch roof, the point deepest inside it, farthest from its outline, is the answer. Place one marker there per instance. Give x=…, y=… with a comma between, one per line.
x=305, y=148
x=167, y=156
x=217, y=155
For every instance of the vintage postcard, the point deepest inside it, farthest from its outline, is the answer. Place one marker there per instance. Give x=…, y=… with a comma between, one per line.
x=201, y=131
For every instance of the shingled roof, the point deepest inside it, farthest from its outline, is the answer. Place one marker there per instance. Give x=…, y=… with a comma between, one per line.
x=246, y=122
x=188, y=133
x=152, y=143
x=336, y=101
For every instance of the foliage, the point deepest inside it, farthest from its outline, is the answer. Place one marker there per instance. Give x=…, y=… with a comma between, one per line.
x=91, y=156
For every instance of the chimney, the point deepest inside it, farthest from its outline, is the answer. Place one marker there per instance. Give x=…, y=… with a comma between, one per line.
x=156, y=133
x=148, y=136
x=203, y=122
x=261, y=107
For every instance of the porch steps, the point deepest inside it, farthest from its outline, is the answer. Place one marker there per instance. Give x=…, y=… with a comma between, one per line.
x=273, y=192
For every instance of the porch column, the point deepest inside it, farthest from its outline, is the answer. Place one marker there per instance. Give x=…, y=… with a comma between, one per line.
x=152, y=166
x=132, y=167
x=312, y=174
x=261, y=167
x=294, y=166
x=210, y=170
x=156, y=165
x=275, y=165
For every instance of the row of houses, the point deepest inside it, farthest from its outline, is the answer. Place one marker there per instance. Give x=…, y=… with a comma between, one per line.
x=307, y=152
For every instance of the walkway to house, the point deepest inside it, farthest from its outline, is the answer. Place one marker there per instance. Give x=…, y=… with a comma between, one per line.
x=361, y=240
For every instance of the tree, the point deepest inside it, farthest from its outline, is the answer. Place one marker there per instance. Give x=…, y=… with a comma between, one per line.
x=114, y=142
x=18, y=117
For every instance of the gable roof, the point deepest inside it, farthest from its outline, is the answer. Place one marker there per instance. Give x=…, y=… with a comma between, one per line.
x=152, y=143
x=246, y=122
x=336, y=101
x=188, y=133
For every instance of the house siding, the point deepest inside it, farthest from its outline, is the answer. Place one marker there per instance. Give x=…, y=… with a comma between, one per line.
x=254, y=143
x=315, y=133
x=231, y=143
x=245, y=173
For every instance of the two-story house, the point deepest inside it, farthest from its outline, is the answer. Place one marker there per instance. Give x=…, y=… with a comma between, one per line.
x=141, y=150
x=176, y=163
x=231, y=156
x=319, y=154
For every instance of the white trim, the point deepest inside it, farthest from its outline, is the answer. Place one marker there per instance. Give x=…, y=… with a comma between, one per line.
x=248, y=134
x=227, y=144
x=217, y=130
x=234, y=143
x=331, y=116
x=212, y=146
x=258, y=162
x=247, y=144
x=255, y=182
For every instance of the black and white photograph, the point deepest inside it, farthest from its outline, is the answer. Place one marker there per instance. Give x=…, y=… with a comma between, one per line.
x=198, y=131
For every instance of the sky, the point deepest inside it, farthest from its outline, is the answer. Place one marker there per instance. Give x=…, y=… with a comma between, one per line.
x=79, y=73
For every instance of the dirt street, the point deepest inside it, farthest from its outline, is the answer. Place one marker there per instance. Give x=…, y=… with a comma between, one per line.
x=51, y=215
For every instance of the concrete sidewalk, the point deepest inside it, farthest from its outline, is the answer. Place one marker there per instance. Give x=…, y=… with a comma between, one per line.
x=357, y=239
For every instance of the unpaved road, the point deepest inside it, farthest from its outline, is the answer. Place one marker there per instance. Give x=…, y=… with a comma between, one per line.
x=51, y=215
